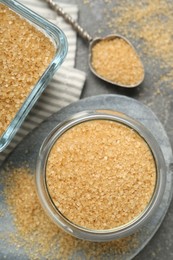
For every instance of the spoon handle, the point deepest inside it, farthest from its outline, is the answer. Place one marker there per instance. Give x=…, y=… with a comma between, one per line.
x=69, y=20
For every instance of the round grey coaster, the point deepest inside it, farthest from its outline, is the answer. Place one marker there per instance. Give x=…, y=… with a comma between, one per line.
x=28, y=149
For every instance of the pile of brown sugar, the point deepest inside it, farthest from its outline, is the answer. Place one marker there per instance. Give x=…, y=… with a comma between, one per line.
x=117, y=61
x=100, y=174
x=25, y=53
x=37, y=235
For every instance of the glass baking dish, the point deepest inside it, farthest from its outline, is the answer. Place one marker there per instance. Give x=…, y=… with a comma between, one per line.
x=58, y=38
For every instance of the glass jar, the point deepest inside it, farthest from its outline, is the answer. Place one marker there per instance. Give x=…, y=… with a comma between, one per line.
x=101, y=234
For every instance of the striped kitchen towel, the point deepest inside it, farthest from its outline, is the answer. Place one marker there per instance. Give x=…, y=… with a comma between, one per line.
x=67, y=83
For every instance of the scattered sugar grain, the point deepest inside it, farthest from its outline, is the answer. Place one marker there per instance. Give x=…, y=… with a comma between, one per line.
x=25, y=53
x=1, y=213
x=39, y=236
x=150, y=23
x=116, y=61
x=100, y=174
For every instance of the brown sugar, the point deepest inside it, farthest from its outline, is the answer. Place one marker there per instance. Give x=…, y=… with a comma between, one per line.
x=37, y=235
x=152, y=25
x=25, y=53
x=100, y=174
x=149, y=23
x=116, y=61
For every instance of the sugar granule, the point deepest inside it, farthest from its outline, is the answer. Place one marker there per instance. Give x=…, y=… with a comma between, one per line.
x=100, y=174
x=150, y=23
x=39, y=236
x=25, y=53
x=116, y=61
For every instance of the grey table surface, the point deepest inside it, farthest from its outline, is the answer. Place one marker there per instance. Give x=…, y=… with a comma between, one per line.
x=155, y=92
x=91, y=16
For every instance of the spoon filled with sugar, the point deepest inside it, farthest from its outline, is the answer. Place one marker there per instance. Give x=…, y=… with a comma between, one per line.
x=112, y=58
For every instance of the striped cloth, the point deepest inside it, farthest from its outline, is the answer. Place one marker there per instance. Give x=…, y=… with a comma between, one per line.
x=67, y=83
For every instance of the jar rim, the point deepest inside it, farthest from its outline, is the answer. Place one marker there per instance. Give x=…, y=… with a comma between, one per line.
x=106, y=234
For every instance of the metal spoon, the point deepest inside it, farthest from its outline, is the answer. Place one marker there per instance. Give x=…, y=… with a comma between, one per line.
x=92, y=42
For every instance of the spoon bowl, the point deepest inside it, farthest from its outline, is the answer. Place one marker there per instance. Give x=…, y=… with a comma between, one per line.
x=137, y=72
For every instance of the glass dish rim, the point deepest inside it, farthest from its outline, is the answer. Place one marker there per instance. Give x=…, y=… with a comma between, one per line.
x=59, y=39
x=109, y=234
